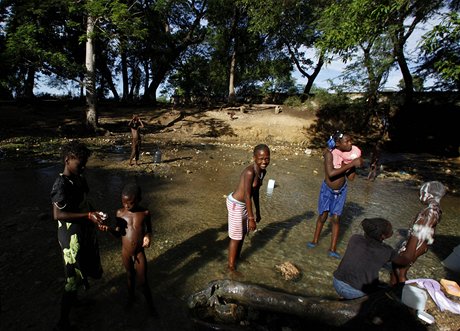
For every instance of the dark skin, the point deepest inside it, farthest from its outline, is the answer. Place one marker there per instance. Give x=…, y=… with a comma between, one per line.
x=408, y=255
x=335, y=179
x=135, y=132
x=374, y=163
x=247, y=191
x=136, y=136
x=400, y=270
x=135, y=229
x=74, y=167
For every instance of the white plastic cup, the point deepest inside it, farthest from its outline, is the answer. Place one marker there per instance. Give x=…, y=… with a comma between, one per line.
x=271, y=184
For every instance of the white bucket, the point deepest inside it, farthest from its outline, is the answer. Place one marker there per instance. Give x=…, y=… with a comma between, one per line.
x=414, y=297
x=270, y=186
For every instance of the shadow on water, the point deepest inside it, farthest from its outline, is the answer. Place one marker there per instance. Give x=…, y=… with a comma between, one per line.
x=351, y=211
x=272, y=230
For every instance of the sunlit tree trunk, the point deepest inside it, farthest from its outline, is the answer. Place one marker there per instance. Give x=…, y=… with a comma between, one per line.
x=232, y=71
x=231, y=80
x=90, y=79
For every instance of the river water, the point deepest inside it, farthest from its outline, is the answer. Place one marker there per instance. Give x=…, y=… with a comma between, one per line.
x=190, y=240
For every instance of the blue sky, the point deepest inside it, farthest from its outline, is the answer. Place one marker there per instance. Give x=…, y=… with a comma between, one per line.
x=336, y=67
x=329, y=72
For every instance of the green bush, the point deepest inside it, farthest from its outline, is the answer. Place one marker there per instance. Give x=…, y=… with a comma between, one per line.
x=293, y=101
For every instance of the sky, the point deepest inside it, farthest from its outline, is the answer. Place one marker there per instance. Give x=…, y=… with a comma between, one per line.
x=329, y=71
x=335, y=68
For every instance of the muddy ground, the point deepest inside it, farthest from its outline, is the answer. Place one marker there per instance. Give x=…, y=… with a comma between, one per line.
x=30, y=262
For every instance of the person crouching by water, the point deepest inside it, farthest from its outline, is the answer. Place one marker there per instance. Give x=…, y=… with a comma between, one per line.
x=358, y=272
x=422, y=228
x=241, y=216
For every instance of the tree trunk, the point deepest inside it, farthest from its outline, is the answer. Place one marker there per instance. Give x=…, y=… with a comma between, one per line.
x=146, y=76
x=311, y=78
x=231, y=79
x=29, y=83
x=232, y=69
x=157, y=77
x=407, y=76
x=124, y=75
x=90, y=79
x=107, y=74
x=228, y=300
x=398, y=53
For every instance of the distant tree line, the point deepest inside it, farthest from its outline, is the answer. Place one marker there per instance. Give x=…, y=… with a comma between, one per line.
x=219, y=48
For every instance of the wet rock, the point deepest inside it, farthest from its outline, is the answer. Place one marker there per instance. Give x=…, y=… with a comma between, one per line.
x=288, y=270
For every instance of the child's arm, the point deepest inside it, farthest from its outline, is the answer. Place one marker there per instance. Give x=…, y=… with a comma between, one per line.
x=255, y=198
x=408, y=255
x=351, y=173
x=331, y=172
x=141, y=124
x=148, y=230
x=60, y=214
x=248, y=179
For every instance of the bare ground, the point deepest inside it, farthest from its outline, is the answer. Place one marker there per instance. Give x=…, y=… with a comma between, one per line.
x=30, y=137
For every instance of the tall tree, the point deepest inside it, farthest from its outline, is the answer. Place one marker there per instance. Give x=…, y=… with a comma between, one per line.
x=31, y=35
x=173, y=26
x=292, y=25
x=369, y=21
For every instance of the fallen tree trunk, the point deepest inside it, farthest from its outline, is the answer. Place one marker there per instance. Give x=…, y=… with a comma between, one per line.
x=223, y=300
x=223, y=292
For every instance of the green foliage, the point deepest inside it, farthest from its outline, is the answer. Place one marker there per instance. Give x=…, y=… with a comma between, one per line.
x=293, y=101
x=441, y=49
x=418, y=83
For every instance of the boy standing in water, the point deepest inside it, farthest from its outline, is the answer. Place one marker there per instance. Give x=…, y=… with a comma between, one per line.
x=135, y=124
x=135, y=229
x=241, y=216
x=334, y=189
x=423, y=227
x=76, y=227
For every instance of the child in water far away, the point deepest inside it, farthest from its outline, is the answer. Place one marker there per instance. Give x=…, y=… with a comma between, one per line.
x=135, y=124
x=133, y=225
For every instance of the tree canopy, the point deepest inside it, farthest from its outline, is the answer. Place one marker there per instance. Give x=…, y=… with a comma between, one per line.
x=217, y=48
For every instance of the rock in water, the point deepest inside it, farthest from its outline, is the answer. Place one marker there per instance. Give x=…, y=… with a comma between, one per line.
x=288, y=270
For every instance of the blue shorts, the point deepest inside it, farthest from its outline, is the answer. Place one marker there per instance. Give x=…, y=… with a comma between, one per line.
x=346, y=291
x=332, y=200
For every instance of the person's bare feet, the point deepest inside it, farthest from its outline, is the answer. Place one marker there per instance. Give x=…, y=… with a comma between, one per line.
x=234, y=273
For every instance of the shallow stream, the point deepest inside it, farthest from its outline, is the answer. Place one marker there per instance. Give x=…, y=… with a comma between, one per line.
x=186, y=196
